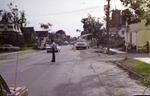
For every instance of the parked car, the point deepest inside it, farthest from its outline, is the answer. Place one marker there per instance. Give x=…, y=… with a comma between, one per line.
x=72, y=43
x=9, y=47
x=81, y=44
x=66, y=43
x=11, y=91
x=49, y=48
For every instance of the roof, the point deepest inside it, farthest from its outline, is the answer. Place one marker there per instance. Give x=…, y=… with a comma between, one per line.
x=42, y=33
x=28, y=29
x=9, y=27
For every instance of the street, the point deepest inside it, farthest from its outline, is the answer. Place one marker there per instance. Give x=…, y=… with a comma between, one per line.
x=75, y=73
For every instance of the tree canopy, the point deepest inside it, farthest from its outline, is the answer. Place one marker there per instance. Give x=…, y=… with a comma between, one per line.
x=91, y=25
x=13, y=15
x=17, y=19
x=46, y=26
x=60, y=32
x=141, y=8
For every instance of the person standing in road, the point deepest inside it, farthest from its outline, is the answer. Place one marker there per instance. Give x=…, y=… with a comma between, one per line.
x=53, y=45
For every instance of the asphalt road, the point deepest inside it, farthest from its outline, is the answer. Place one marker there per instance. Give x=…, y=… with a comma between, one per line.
x=75, y=73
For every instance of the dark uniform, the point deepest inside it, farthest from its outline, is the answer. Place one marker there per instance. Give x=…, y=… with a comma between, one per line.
x=53, y=52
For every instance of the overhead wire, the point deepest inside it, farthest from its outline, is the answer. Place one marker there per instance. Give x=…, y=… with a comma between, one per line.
x=72, y=11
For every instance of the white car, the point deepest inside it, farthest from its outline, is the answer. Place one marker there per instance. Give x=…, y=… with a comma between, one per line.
x=49, y=48
x=81, y=44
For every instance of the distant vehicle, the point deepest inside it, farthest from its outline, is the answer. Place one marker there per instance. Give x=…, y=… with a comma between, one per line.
x=11, y=91
x=49, y=48
x=42, y=43
x=66, y=43
x=81, y=44
x=72, y=43
x=9, y=48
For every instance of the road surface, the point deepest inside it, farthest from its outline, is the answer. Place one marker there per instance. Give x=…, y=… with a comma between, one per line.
x=75, y=73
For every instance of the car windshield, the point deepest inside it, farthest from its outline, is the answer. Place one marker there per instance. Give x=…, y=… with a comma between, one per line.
x=74, y=47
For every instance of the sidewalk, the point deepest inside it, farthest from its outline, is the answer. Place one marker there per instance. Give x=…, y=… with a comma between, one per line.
x=143, y=59
x=117, y=51
x=20, y=52
x=111, y=49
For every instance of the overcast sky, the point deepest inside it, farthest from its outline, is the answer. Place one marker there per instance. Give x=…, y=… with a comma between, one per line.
x=62, y=14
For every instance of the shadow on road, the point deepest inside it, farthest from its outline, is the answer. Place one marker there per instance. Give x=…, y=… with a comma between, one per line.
x=88, y=86
x=75, y=89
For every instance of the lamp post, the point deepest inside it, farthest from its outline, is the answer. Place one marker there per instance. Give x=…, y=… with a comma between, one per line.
x=108, y=24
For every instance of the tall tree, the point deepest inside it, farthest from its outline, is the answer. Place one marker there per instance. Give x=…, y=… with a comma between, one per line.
x=60, y=32
x=60, y=36
x=46, y=26
x=92, y=25
x=141, y=8
x=16, y=17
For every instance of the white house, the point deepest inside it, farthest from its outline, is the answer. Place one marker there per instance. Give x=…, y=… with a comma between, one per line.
x=137, y=34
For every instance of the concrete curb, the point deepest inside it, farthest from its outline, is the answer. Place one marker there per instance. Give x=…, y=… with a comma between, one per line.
x=132, y=73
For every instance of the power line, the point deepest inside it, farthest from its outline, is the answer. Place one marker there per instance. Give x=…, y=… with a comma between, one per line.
x=73, y=11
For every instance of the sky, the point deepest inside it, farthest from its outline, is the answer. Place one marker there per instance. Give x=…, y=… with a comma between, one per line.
x=62, y=14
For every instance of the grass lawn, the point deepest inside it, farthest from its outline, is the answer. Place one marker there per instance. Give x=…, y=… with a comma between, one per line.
x=140, y=68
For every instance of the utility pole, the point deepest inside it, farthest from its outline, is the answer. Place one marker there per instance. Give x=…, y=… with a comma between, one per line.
x=127, y=37
x=108, y=24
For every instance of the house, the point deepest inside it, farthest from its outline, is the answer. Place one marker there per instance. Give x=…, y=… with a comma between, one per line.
x=10, y=34
x=137, y=34
x=41, y=34
x=115, y=22
x=131, y=34
x=42, y=37
x=117, y=29
x=29, y=35
x=144, y=34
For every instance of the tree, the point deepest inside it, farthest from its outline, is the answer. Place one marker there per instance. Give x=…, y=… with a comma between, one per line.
x=141, y=8
x=46, y=26
x=61, y=32
x=60, y=36
x=129, y=17
x=78, y=30
x=92, y=25
x=16, y=17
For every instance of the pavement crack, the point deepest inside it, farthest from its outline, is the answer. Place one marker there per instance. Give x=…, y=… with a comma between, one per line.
x=96, y=74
